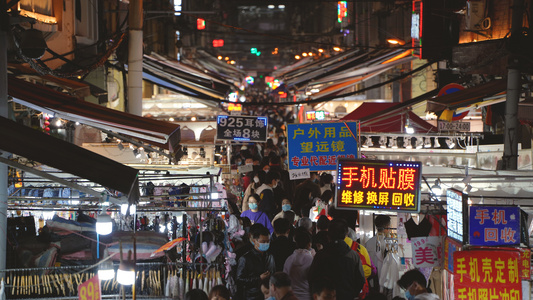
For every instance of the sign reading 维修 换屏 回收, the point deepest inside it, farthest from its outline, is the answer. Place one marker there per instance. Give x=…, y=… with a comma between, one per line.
x=317, y=146
x=242, y=128
x=494, y=226
x=378, y=185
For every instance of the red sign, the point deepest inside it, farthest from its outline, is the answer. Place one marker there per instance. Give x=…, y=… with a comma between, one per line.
x=379, y=185
x=450, y=246
x=200, y=24
x=218, y=43
x=90, y=289
x=485, y=274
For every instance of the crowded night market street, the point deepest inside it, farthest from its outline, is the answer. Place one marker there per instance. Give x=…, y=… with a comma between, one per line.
x=266, y=149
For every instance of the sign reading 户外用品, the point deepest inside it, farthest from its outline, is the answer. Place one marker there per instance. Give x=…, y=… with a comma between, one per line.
x=378, y=185
x=317, y=146
x=241, y=128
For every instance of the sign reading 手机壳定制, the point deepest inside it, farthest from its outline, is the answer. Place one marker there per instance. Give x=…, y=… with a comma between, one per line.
x=378, y=185
x=317, y=146
x=242, y=128
x=494, y=225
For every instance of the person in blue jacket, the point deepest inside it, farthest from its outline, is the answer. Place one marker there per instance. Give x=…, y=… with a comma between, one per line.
x=255, y=215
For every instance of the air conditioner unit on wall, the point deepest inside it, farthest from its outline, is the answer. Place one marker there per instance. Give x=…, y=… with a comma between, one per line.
x=475, y=14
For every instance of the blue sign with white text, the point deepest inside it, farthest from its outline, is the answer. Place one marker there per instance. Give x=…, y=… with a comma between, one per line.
x=317, y=146
x=494, y=226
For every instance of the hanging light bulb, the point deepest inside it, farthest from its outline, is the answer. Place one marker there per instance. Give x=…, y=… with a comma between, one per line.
x=393, y=143
x=104, y=224
x=383, y=142
x=408, y=128
x=436, y=189
x=436, y=143
x=407, y=143
x=419, y=143
x=106, y=270
x=126, y=271
x=368, y=143
x=450, y=143
x=427, y=142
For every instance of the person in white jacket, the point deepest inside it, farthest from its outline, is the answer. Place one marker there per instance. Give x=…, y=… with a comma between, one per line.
x=298, y=264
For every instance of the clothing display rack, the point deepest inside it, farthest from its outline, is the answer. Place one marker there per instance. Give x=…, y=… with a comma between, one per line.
x=199, y=215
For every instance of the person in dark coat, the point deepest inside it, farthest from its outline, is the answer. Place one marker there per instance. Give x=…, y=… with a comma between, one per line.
x=339, y=263
x=281, y=247
x=254, y=266
x=280, y=287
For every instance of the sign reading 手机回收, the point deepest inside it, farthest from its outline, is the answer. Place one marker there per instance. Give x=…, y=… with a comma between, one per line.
x=241, y=128
x=317, y=146
x=378, y=185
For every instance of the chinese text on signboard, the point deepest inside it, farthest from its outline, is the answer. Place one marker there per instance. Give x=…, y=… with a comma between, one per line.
x=494, y=226
x=487, y=275
x=378, y=185
x=454, y=203
x=239, y=128
x=317, y=146
x=427, y=251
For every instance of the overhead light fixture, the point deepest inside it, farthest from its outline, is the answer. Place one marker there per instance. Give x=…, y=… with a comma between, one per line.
x=436, y=143
x=104, y=224
x=106, y=270
x=126, y=271
x=407, y=143
x=393, y=143
x=408, y=128
x=136, y=153
x=450, y=143
x=368, y=143
x=436, y=189
x=271, y=6
x=281, y=6
x=427, y=142
x=336, y=49
x=419, y=143
x=120, y=145
x=396, y=41
x=383, y=142
x=467, y=189
x=467, y=179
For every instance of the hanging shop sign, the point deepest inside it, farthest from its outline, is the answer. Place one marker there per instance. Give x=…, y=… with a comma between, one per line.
x=427, y=251
x=299, y=174
x=240, y=128
x=378, y=185
x=317, y=146
x=454, y=204
x=450, y=247
x=494, y=226
x=525, y=263
x=90, y=289
x=484, y=274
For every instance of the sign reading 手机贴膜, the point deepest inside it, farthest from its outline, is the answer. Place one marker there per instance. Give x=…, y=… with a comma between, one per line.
x=378, y=185
x=494, y=226
x=317, y=146
x=242, y=128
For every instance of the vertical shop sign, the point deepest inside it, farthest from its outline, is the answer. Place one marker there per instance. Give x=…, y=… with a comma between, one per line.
x=494, y=226
x=318, y=146
x=450, y=247
x=240, y=128
x=454, y=204
x=427, y=251
x=481, y=274
x=378, y=185
x=525, y=263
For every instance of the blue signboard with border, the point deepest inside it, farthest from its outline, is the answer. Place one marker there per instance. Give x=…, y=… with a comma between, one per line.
x=494, y=226
x=317, y=146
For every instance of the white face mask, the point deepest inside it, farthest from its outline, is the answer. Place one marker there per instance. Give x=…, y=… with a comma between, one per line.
x=256, y=179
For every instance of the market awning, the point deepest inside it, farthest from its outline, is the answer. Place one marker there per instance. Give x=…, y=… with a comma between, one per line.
x=467, y=97
x=163, y=134
x=389, y=122
x=37, y=146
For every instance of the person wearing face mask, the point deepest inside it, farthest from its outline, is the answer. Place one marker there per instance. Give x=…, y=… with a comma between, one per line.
x=255, y=214
x=258, y=179
x=415, y=285
x=280, y=287
x=281, y=246
x=298, y=263
x=254, y=266
x=285, y=206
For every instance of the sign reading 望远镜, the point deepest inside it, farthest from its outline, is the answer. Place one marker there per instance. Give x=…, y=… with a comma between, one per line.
x=378, y=185
x=240, y=128
x=494, y=226
x=317, y=146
